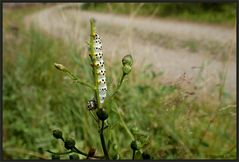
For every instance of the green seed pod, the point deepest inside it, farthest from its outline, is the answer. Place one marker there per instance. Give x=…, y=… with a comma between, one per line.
x=135, y=145
x=127, y=60
x=102, y=114
x=57, y=134
x=126, y=69
x=146, y=156
x=69, y=143
x=74, y=157
x=55, y=157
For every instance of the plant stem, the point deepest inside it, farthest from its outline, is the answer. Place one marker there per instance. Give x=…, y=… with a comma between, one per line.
x=76, y=79
x=72, y=76
x=102, y=139
x=95, y=118
x=118, y=86
x=59, y=153
x=124, y=125
x=83, y=153
x=133, y=154
x=93, y=60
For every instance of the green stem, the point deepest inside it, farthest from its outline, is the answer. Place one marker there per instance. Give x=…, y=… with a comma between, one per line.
x=76, y=79
x=59, y=153
x=93, y=59
x=83, y=153
x=102, y=139
x=86, y=84
x=124, y=125
x=97, y=120
x=133, y=154
x=118, y=86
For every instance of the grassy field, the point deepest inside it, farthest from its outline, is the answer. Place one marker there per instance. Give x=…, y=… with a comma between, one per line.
x=37, y=98
x=212, y=13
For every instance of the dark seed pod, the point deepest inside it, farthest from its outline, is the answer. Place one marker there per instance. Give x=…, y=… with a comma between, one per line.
x=102, y=114
x=69, y=143
x=74, y=157
x=134, y=145
x=146, y=156
x=127, y=60
x=57, y=134
x=55, y=157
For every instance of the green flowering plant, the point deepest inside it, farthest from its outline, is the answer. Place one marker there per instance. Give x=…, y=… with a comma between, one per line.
x=97, y=106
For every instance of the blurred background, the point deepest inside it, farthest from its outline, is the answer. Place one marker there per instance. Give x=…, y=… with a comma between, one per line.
x=180, y=96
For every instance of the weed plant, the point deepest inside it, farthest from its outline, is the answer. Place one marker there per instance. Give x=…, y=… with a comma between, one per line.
x=100, y=106
x=37, y=99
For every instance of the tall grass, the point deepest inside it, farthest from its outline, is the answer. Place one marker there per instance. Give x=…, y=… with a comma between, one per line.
x=203, y=12
x=37, y=99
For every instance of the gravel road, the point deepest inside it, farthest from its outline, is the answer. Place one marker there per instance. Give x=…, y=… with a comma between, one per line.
x=173, y=47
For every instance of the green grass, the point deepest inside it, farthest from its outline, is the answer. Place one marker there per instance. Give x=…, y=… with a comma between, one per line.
x=214, y=13
x=37, y=98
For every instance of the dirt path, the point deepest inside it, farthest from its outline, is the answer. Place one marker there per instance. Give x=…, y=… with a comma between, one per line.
x=122, y=35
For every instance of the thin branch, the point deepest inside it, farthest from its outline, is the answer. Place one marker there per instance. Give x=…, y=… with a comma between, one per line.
x=59, y=153
x=77, y=80
x=95, y=118
x=118, y=86
x=76, y=150
x=124, y=124
x=102, y=139
x=133, y=155
x=72, y=76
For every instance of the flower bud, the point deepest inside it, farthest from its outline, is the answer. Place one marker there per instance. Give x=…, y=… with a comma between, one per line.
x=74, y=157
x=69, y=143
x=127, y=60
x=102, y=114
x=135, y=145
x=57, y=134
x=55, y=157
x=60, y=67
x=126, y=69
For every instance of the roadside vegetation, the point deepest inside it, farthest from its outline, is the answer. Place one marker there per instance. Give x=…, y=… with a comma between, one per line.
x=210, y=12
x=38, y=99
